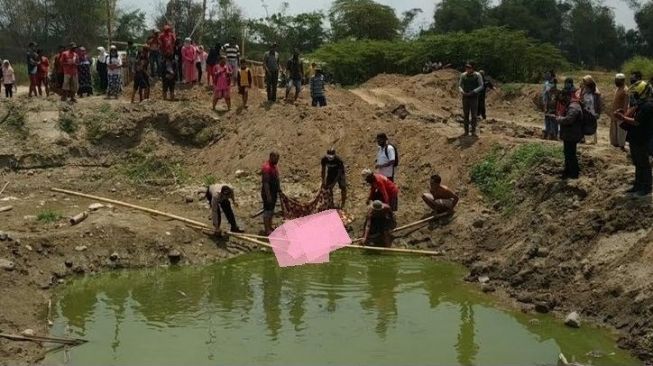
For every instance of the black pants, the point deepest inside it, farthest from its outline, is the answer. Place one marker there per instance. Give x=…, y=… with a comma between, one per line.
x=225, y=205
x=9, y=90
x=271, y=81
x=199, y=71
x=481, y=105
x=639, y=156
x=470, y=112
x=102, y=72
x=572, y=170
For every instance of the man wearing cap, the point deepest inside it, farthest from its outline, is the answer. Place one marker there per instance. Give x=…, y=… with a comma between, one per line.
x=333, y=171
x=619, y=103
x=69, y=62
x=271, y=66
x=219, y=196
x=638, y=123
x=270, y=189
x=379, y=224
x=381, y=189
x=470, y=85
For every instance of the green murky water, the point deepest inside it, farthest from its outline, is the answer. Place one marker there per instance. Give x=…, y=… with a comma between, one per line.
x=357, y=310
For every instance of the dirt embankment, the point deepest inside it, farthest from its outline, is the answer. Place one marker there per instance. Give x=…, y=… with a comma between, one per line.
x=565, y=246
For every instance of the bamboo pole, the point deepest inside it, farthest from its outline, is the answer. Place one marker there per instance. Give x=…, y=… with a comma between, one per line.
x=66, y=341
x=246, y=237
x=3, y=188
x=411, y=225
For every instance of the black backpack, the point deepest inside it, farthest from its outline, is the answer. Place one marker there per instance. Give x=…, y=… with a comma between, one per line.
x=396, y=163
x=588, y=121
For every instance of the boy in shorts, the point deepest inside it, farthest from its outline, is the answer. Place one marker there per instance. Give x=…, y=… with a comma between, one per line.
x=244, y=80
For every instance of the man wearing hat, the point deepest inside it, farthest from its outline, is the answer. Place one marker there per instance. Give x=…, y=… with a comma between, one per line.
x=69, y=61
x=271, y=66
x=379, y=224
x=381, y=189
x=470, y=85
x=333, y=171
x=619, y=103
x=638, y=123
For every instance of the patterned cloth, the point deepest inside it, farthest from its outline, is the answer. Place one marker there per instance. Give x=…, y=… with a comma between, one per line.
x=115, y=86
x=85, y=81
x=292, y=209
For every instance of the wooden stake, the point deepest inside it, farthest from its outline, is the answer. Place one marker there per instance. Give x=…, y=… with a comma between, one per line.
x=78, y=218
x=3, y=188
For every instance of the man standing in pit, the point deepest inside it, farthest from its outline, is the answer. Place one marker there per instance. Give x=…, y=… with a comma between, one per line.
x=270, y=189
x=470, y=85
x=333, y=171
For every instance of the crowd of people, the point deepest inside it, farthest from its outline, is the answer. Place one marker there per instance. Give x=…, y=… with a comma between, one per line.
x=382, y=201
x=165, y=58
x=571, y=114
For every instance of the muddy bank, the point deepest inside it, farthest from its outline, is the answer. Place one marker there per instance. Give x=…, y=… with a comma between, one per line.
x=564, y=246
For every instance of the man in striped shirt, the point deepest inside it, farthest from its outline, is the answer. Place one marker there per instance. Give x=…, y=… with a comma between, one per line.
x=232, y=52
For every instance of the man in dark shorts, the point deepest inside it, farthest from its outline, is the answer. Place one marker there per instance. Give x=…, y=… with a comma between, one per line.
x=333, y=171
x=379, y=224
x=141, y=80
x=270, y=189
x=169, y=77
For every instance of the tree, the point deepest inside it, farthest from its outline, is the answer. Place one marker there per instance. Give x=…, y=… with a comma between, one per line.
x=363, y=19
x=460, y=15
x=225, y=22
x=591, y=38
x=407, y=19
x=644, y=20
x=131, y=26
x=304, y=31
x=541, y=19
x=185, y=16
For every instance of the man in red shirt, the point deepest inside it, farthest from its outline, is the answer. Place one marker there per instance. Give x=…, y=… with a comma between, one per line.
x=167, y=41
x=69, y=62
x=270, y=189
x=381, y=189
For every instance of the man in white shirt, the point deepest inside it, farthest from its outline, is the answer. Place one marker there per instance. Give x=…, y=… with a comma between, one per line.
x=386, y=156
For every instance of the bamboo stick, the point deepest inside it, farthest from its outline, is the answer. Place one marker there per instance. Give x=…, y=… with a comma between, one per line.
x=67, y=341
x=396, y=250
x=3, y=188
x=411, y=225
x=129, y=205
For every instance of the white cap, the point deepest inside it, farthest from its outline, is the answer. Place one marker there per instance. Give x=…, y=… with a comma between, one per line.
x=366, y=172
x=620, y=76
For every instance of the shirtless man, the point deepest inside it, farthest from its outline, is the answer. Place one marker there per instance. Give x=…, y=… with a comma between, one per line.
x=440, y=199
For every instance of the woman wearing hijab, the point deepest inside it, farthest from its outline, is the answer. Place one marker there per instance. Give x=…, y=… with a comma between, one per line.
x=84, y=71
x=114, y=65
x=189, y=56
x=101, y=67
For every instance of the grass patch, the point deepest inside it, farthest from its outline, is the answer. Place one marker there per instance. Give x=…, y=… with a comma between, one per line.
x=496, y=174
x=68, y=123
x=147, y=169
x=48, y=216
x=97, y=123
x=512, y=91
x=209, y=180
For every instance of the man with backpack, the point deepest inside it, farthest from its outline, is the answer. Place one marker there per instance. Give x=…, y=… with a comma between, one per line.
x=387, y=158
x=638, y=122
x=571, y=133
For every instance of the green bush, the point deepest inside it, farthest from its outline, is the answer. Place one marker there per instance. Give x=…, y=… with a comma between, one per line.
x=639, y=63
x=506, y=55
x=147, y=169
x=209, y=180
x=48, y=216
x=68, y=123
x=496, y=173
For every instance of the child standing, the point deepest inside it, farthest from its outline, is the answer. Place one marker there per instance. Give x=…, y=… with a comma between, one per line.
x=222, y=83
x=244, y=78
x=141, y=80
x=8, y=79
x=317, y=89
x=169, y=77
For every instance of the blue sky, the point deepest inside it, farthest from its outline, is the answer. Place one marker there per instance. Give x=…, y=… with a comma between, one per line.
x=254, y=8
